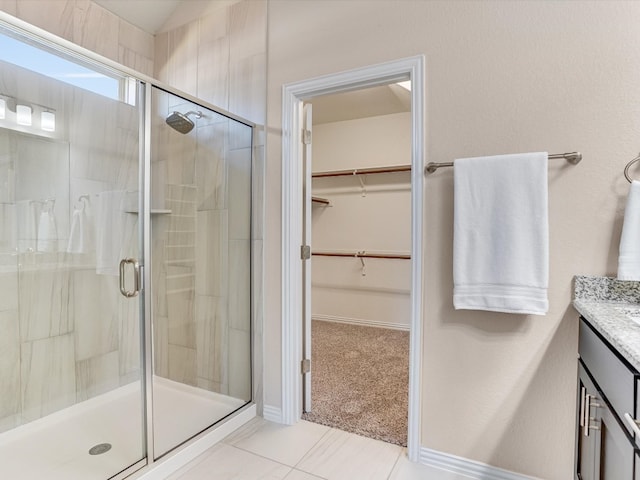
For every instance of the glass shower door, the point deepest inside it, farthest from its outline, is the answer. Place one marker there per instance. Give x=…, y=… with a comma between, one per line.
x=70, y=358
x=201, y=252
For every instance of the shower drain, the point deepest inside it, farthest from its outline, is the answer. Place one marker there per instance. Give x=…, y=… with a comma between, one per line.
x=100, y=449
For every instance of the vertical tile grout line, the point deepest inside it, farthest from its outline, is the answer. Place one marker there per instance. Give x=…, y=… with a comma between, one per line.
x=313, y=446
x=395, y=464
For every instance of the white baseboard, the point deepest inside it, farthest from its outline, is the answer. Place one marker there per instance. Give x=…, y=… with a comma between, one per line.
x=466, y=467
x=360, y=321
x=273, y=414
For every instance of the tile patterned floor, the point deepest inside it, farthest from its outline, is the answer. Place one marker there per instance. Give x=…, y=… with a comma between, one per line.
x=262, y=450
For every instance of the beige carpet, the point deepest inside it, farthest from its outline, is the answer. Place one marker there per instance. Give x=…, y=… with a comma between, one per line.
x=360, y=380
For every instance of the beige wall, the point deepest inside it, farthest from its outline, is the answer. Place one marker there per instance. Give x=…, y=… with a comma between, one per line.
x=501, y=77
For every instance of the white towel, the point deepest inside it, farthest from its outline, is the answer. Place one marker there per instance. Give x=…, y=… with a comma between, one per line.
x=110, y=229
x=629, y=253
x=81, y=236
x=501, y=234
x=47, y=231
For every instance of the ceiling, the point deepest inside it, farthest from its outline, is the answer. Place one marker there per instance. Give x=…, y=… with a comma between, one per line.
x=368, y=102
x=149, y=15
x=154, y=16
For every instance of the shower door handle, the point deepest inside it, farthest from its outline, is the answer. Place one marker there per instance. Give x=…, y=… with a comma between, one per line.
x=136, y=277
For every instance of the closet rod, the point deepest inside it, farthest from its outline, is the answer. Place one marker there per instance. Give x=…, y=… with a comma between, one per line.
x=571, y=157
x=362, y=171
x=362, y=255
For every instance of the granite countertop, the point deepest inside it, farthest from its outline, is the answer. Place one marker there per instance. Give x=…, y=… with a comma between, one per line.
x=611, y=306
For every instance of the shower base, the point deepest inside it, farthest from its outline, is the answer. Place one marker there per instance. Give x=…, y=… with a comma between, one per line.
x=56, y=447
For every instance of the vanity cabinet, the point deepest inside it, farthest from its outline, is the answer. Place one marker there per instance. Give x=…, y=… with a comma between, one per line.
x=607, y=404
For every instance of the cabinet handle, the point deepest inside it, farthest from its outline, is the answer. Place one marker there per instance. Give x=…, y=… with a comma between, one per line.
x=633, y=423
x=585, y=419
x=583, y=394
x=587, y=415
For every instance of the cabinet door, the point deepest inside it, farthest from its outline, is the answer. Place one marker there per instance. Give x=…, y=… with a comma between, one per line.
x=616, y=448
x=587, y=431
x=637, y=437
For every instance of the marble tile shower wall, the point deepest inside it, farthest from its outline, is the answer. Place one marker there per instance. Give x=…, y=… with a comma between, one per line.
x=221, y=58
x=67, y=333
x=201, y=262
x=91, y=26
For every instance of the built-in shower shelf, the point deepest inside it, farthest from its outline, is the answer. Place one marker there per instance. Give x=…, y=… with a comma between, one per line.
x=154, y=211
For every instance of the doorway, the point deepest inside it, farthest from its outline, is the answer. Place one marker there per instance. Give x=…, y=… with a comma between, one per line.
x=294, y=97
x=357, y=292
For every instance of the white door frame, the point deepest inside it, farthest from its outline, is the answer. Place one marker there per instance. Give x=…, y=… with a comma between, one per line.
x=293, y=96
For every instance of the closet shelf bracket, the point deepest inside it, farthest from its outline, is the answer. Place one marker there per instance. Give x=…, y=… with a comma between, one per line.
x=362, y=186
x=360, y=255
x=322, y=201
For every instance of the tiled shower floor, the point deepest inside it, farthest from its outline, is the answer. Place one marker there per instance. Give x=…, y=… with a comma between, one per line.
x=56, y=447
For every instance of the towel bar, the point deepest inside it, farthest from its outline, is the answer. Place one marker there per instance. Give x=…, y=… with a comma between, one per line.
x=626, y=169
x=572, y=157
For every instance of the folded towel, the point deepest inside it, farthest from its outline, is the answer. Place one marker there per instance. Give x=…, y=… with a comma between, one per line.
x=629, y=253
x=501, y=244
x=81, y=236
x=110, y=229
x=47, y=231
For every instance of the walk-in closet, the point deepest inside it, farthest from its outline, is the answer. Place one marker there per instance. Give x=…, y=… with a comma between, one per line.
x=360, y=279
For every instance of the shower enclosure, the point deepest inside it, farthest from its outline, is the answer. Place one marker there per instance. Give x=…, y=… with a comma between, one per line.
x=125, y=247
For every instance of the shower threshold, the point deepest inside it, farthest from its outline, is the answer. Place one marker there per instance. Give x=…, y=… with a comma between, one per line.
x=57, y=447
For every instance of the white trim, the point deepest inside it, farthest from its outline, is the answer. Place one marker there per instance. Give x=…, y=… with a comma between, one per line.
x=360, y=321
x=272, y=414
x=293, y=95
x=291, y=263
x=164, y=467
x=468, y=468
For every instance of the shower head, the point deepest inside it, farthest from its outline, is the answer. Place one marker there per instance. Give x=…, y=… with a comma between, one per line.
x=181, y=122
